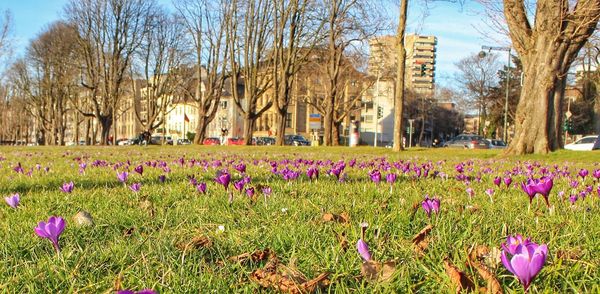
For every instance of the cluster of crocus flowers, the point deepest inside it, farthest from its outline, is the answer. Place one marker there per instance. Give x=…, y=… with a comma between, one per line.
x=51, y=230
x=375, y=176
x=523, y=258
x=13, y=200
x=543, y=186
x=67, y=187
x=430, y=205
x=312, y=173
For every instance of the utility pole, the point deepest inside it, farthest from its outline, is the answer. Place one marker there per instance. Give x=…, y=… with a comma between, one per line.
x=377, y=107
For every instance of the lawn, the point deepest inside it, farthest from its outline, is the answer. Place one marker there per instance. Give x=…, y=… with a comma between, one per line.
x=172, y=238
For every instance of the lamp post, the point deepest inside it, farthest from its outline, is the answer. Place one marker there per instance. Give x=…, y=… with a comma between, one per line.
x=483, y=54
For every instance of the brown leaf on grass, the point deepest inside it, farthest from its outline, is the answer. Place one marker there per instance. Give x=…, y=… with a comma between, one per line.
x=380, y=272
x=420, y=240
x=197, y=242
x=570, y=254
x=343, y=241
x=458, y=278
x=342, y=218
x=118, y=281
x=286, y=279
x=256, y=256
x=481, y=252
x=128, y=232
x=489, y=257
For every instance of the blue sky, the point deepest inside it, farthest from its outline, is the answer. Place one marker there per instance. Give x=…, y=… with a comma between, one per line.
x=454, y=26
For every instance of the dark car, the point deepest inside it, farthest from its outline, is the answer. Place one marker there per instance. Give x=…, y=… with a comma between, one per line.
x=497, y=144
x=468, y=141
x=211, y=141
x=264, y=141
x=296, y=140
x=161, y=140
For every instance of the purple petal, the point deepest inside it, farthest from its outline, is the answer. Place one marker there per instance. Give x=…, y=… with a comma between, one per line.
x=363, y=249
x=506, y=262
x=520, y=265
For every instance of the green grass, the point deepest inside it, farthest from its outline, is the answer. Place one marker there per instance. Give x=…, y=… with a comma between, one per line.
x=93, y=258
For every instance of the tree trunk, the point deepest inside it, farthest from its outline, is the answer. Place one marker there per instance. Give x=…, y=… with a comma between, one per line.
x=105, y=124
x=328, y=125
x=280, y=135
x=399, y=89
x=335, y=133
x=200, y=128
x=249, y=121
x=536, y=113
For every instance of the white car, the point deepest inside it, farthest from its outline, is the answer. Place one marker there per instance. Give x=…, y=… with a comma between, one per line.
x=583, y=144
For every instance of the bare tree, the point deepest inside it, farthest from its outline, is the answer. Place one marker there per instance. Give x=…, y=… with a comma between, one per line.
x=248, y=32
x=547, y=35
x=477, y=75
x=6, y=23
x=158, y=59
x=110, y=31
x=400, y=72
x=295, y=33
x=206, y=23
x=347, y=24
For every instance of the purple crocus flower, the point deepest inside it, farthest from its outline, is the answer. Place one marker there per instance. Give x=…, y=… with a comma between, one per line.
x=312, y=172
x=470, y=192
x=13, y=200
x=223, y=178
x=430, y=205
x=525, y=260
x=583, y=173
x=162, y=178
x=135, y=187
x=596, y=174
x=67, y=187
x=497, y=181
x=139, y=169
x=267, y=190
x=391, y=178
x=145, y=291
x=201, y=188
x=573, y=199
x=375, y=176
x=507, y=181
x=51, y=230
x=239, y=185
x=512, y=242
x=363, y=249
x=544, y=186
x=250, y=192
x=240, y=167
x=123, y=177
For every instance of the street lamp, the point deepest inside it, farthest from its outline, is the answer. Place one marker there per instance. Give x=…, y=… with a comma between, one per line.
x=482, y=54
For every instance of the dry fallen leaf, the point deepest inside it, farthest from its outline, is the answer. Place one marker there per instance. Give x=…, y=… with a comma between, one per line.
x=197, y=242
x=286, y=279
x=420, y=240
x=375, y=271
x=343, y=241
x=459, y=279
x=256, y=256
x=481, y=252
x=340, y=218
x=570, y=254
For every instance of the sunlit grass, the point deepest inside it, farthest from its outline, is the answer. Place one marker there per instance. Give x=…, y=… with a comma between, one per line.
x=135, y=235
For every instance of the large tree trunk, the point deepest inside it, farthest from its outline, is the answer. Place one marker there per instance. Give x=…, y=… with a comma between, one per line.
x=399, y=89
x=201, y=128
x=328, y=124
x=249, y=121
x=105, y=124
x=280, y=135
x=335, y=133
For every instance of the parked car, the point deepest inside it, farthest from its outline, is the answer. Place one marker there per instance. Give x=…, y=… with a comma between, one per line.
x=497, y=144
x=264, y=141
x=235, y=141
x=211, y=141
x=296, y=140
x=124, y=142
x=468, y=141
x=160, y=140
x=584, y=144
x=183, y=142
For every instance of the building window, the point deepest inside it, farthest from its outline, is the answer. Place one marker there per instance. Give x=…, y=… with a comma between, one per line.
x=288, y=120
x=223, y=104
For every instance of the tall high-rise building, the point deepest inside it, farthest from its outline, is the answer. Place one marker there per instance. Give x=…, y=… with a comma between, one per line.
x=420, y=60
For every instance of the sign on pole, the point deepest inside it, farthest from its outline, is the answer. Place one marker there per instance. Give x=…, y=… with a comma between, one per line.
x=314, y=120
x=568, y=114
